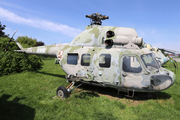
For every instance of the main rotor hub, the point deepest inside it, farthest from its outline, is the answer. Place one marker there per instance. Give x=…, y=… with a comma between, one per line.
x=96, y=18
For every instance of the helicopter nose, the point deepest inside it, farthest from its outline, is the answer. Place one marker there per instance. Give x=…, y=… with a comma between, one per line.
x=164, y=60
x=162, y=82
x=173, y=76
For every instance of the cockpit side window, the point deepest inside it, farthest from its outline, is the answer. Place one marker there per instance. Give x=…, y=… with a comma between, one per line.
x=149, y=61
x=72, y=58
x=131, y=64
x=85, y=59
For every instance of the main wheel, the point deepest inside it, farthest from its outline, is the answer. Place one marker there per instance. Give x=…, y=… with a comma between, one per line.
x=62, y=92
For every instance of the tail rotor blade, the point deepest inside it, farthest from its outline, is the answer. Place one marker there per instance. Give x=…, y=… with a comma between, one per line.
x=10, y=40
x=7, y=47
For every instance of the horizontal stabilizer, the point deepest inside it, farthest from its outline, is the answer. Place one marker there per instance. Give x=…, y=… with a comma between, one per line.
x=20, y=51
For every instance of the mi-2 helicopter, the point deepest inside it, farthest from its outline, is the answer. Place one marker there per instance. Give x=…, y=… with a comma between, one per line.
x=157, y=53
x=107, y=56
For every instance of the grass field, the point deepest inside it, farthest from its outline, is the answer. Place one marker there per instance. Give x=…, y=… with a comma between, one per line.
x=32, y=95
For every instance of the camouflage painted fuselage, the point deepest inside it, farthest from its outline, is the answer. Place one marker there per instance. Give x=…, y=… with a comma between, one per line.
x=123, y=64
x=158, y=54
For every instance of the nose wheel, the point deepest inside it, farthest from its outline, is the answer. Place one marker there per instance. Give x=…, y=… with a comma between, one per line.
x=63, y=92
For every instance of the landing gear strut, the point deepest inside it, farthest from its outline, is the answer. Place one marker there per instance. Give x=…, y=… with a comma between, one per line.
x=129, y=95
x=63, y=92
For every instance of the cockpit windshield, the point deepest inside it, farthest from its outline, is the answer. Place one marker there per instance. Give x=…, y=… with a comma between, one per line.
x=149, y=61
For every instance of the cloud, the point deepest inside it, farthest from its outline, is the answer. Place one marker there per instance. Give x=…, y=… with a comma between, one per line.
x=141, y=33
x=154, y=31
x=11, y=5
x=38, y=23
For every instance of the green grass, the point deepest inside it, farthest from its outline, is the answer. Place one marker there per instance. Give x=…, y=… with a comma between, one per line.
x=31, y=95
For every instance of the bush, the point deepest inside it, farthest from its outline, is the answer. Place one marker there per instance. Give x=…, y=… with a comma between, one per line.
x=12, y=62
x=26, y=41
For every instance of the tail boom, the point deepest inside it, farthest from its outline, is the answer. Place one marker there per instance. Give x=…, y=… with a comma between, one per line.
x=50, y=50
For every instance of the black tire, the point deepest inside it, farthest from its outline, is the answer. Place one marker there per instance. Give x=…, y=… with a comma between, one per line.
x=62, y=92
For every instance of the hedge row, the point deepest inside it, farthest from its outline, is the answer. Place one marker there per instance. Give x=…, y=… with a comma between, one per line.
x=12, y=62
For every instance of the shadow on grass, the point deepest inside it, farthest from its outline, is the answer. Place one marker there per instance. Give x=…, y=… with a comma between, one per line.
x=110, y=92
x=51, y=74
x=84, y=95
x=12, y=110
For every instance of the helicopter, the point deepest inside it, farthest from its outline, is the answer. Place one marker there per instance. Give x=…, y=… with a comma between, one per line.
x=157, y=53
x=107, y=56
x=161, y=55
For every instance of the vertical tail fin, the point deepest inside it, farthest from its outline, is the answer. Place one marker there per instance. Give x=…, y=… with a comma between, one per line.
x=20, y=46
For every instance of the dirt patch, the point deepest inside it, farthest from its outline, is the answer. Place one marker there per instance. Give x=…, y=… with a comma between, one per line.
x=112, y=94
x=125, y=100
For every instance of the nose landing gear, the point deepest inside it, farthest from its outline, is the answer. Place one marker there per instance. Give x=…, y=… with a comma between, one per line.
x=63, y=92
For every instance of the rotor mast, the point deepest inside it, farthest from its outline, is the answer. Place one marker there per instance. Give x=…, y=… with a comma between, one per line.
x=96, y=18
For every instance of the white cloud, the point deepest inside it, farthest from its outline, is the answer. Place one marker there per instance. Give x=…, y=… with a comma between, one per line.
x=154, y=31
x=38, y=23
x=11, y=5
x=141, y=33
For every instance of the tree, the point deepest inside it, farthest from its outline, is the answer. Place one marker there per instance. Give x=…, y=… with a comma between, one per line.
x=26, y=41
x=29, y=42
x=12, y=62
x=40, y=43
x=2, y=27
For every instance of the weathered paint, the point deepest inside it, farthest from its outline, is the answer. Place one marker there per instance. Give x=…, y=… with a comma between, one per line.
x=91, y=41
x=157, y=53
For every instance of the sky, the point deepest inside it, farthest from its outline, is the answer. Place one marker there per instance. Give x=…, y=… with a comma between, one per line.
x=54, y=21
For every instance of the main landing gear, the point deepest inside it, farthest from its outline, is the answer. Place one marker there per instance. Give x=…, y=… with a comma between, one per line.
x=63, y=92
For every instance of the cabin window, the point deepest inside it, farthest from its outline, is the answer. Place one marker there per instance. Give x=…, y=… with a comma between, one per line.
x=131, y=64
x=85, y=59
x=72, y=58
x=105, y=60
